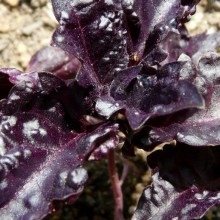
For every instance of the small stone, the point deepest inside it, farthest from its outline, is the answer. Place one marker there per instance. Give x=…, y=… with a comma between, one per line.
x=214, y=4
x=24, y=60
x=21, y=48
x=139, y=188
x=12, y=3
x=28, y=30
x=135, y=196
x=3, y=44
x=39, y=3
x=132, y=209
x=4, y=28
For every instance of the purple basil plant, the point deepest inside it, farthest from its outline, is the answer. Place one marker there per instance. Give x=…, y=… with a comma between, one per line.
x=114, y=57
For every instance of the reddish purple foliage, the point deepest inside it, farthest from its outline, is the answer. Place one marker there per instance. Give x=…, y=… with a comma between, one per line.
x=130, y=57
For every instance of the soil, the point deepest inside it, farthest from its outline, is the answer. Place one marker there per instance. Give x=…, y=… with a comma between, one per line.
x=27, y=25
x=207, y=18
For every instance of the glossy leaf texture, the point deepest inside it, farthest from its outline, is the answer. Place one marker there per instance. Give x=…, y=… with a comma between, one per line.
x=146, y=92
x=184, y=186
x=158, y=19
x=56, y=61
x=193, y=46
x=41, y=155
x=29, y=85
x=196, y=128
x=105, y=34
x=95, y=32
x=162, y=201
x=109, y=36
x=111, y=56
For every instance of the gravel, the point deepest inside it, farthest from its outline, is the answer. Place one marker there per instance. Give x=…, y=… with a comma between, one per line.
x=24, y=29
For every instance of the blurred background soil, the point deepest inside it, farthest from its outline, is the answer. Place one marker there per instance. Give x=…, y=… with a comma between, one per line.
x=25, y=27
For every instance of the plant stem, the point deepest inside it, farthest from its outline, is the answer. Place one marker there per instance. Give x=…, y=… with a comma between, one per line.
x=116, y=186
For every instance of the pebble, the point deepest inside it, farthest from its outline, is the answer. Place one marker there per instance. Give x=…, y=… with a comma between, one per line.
x=24, y=60
x=38, y=3
x=28, y=30
x=12, y=3
x=23, y=31
x=21, y=48
x=3, y=44
x=214, y=4
x=4, y=28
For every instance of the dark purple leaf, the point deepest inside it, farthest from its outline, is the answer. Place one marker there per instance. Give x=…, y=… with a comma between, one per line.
x=188, y=166
x=26, y=88
x=30, y=85
x=31, y=172
x=41, y=158
x=103, y=150
x=5, y=85
x=173, y=44
x=72, y=96
x=144, y=96
x=186, y=183
x=193, y=46
x=51, y=83
x=95, y=32
x=56, y=61
x=197, y=128
x=104, y=34
x=162, y=201
x=16, y=76
x=20, y=95
x=101, y=34
x=201, y=44
x=157, y=19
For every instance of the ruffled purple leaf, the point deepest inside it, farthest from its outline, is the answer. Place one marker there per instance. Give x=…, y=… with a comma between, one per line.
x=196, y=128
x=34, y=142
x=143, y=95
x=31, y=172
x=201, y=44
x=72, y=96
x=56, y=61
x=162, y=201
x=186, y=183
x=26, y=88
x=16, y=76
x=95, y=32
x=29, y=86
x=188, y=166
x=157, y=18
x=104, y=34
x=193, y=46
